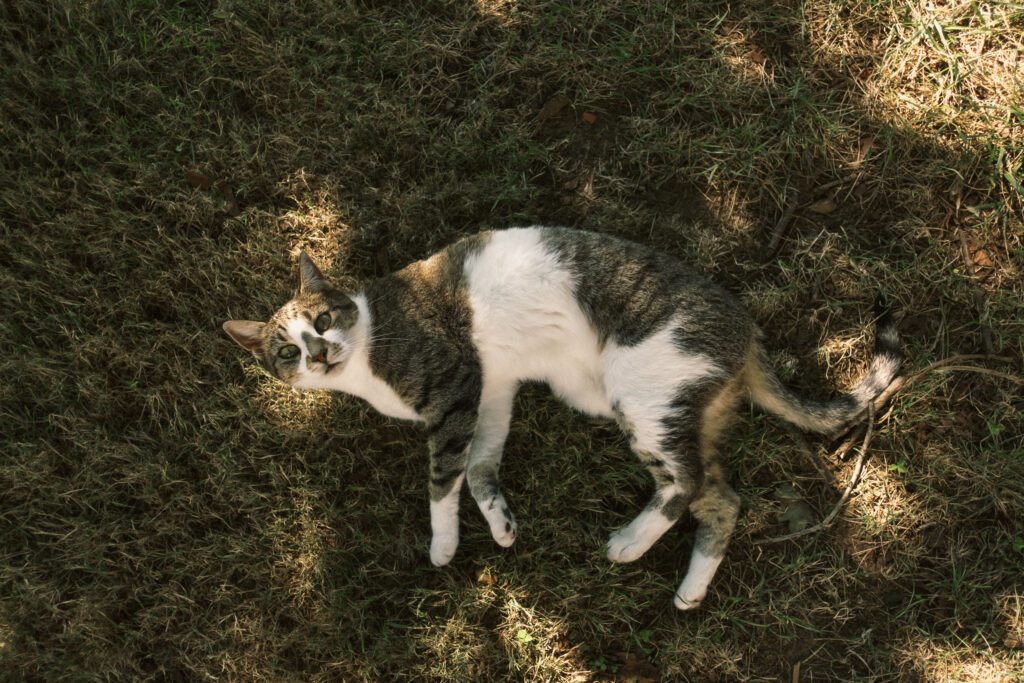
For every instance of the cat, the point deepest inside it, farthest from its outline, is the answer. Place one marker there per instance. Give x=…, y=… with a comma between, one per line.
x=616, y=329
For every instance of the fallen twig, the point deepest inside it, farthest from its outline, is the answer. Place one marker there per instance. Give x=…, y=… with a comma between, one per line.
x=984, y=371
x=979, y=299
x=946, y=362
x=854, y=429
x=858, y=468
x=808, y=453
x=880, y=400
x=899, y=383
x=780, y=227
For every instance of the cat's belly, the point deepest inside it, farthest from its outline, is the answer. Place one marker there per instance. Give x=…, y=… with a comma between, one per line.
x=583, y=391
x=527, y=324
x=572, y=368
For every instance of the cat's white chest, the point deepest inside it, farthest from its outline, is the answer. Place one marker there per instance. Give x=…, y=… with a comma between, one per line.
x=527, y=324
x=357, y=378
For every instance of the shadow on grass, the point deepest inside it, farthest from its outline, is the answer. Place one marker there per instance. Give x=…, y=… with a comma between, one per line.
x=171, y=512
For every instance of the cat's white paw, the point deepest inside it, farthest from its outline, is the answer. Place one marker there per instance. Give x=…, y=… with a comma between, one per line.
x=695, y=584
x=501, y=521
x=623, y=546
x=442, y=548
x=687, y=602
x=506, y=534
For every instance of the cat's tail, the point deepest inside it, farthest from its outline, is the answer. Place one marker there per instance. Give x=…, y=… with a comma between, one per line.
x=827, y=416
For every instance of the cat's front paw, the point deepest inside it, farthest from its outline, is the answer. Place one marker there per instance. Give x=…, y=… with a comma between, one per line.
x=506, y=534
x=442, y=548
x=624, y=547
x=501, y=520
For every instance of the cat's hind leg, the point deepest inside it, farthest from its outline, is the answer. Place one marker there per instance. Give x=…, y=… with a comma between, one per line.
x=716, y=506
x=716, y=510
x=658, y=395
x=485, y=457
x=676, y=475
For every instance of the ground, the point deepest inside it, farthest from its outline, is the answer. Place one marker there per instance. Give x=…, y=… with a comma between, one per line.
x=170, y=512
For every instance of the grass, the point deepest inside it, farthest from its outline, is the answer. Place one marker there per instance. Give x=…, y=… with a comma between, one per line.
x=171, y=513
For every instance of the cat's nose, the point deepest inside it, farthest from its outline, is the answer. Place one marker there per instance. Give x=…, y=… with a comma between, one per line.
x=321, y=357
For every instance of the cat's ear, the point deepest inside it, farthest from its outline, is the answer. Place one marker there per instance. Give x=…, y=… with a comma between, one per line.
x=247, y=333
x=311, y=279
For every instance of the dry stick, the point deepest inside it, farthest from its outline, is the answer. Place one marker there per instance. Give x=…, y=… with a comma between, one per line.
x=951, y=360
x=858, y=468
x=794, y=204
x=984, y=371
x=780, y=227
x=834, y=184
x=880, y=400
x=979, y=300
x=808, y=452
x=905, y=382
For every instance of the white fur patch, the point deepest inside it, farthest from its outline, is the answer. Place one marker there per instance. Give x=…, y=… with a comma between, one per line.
x=444, y=526
x=526, y=323
x=643, y=380
x=695, y=584
x=629, y=543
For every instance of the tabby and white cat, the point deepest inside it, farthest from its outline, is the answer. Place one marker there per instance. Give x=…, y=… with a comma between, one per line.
x=614, y=328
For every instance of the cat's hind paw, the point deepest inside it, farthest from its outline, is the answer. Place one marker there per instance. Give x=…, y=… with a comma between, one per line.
x=687, y=603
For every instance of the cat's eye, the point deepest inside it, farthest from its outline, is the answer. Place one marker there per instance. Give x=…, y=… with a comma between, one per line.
x=288, y=352
x=322, y=322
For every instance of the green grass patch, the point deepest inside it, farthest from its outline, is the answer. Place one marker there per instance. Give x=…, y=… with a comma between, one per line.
x=171, y=513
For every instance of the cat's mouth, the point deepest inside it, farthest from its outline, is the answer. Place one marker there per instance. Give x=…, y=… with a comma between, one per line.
x=321, y=360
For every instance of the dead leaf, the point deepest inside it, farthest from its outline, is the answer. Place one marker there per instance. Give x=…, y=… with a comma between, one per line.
x=230, y=205
x=979, y=255
x=636, y=669
x=484, y=577
x=553, y=106
x=198, y=180
x=823, y=206
x=1014, y=643
x=588, y=117
x=866, y=143
x=757, y=56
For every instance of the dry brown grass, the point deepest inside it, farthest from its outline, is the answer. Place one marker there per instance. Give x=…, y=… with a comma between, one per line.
x=171, y=513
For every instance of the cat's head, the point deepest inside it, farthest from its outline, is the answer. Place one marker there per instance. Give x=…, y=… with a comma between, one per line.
x=307, y=340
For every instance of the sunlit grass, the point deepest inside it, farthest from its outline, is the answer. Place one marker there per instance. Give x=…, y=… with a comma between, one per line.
x=171, y=512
